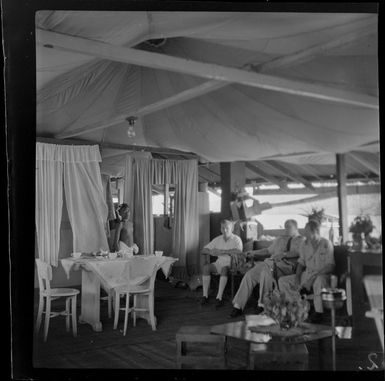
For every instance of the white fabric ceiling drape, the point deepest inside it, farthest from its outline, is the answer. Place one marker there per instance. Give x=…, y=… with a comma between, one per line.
x=236, y=122
x=77, y=167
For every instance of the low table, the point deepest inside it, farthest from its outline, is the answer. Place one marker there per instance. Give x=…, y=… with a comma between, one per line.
x=240, y=330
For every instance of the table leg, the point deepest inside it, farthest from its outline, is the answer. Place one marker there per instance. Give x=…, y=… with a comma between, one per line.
x=333, y=312
x=142, y=302
x=90, y=300
x=250, y=361
x=356, y=273
x=321, y=353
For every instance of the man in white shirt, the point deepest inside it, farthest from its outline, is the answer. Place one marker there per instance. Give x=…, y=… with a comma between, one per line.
x=315, y=264
x=283, y=253
x=222, y=247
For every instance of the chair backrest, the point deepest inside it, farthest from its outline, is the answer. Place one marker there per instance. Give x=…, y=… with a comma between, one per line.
x=44, y=273
x=341, y=262
x=145, y=266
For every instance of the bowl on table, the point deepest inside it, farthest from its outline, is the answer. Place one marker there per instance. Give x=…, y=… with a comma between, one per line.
x=76, y=255
x=112, y=255
x=158, y=253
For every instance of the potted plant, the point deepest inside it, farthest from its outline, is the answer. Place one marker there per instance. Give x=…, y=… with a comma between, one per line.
x=361, y=228
x=317, y=215
x=287, y=313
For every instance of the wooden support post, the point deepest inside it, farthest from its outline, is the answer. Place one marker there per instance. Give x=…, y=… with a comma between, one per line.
x=232, y=177
x=166, y=206
x=342, y=196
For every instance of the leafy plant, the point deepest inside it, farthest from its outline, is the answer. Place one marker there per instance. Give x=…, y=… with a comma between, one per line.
x=317, y=214
x=285, y=312
x=361, y=224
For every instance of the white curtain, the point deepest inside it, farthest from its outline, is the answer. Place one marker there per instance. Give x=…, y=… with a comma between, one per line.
x=49, y=201
x=143, y=219
x=77, y=168
x=128, y=195
x=185, y=241
x=87, y=209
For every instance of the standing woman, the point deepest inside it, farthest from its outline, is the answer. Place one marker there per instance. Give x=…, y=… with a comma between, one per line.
x=124, y=231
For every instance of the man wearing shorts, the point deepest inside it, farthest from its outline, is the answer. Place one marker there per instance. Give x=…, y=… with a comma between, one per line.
x=222, y=247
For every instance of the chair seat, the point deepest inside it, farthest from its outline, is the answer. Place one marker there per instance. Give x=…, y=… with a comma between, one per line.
x=137, y=289
x=57, y=292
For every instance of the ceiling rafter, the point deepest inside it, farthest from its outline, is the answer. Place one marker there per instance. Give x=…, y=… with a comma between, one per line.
x=267, y=177
x=372, y=168
x=285, y=170
x=211, y=71
x=363, y=27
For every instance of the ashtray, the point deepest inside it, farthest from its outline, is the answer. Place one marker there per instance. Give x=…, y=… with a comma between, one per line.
x=333, y=294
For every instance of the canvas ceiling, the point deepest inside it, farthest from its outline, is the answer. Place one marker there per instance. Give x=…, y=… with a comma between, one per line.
x=235, y=122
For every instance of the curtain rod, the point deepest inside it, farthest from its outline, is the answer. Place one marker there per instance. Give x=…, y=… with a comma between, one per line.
x=131, y=147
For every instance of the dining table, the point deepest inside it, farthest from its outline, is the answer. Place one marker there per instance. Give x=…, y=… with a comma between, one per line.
x=110, y=273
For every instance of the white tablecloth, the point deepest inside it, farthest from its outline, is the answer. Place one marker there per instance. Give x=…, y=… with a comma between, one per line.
x=119, y=271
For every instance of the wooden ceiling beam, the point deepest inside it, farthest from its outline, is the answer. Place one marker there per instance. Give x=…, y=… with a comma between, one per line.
x=284, y=170
x=207, y=70
x=370, y=166
x=301, y=56
x=264, y=175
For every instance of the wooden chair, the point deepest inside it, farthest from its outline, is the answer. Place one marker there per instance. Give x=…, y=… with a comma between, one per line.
x=143, y=286
x=374, y=290
x=279, y=356
x=201, y=335
x=44, y=272
x=109, y=298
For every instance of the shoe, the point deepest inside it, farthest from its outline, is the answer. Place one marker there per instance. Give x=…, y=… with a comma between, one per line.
x=235, y=313
x=204, y=301
x=219, y=303
x=258, y=310
x=316, y=318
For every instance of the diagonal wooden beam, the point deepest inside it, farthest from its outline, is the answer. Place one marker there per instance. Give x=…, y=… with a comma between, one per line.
x=164, y=103
x=362, y=28
x=373, y=168
x=206, y=70
x=266, y=176
x=284, y=170
x=318, y=197
x=213, y=85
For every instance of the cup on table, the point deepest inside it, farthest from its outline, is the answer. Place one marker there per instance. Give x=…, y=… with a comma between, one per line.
x=112, y=255
x=158, y=253
x=76, y=255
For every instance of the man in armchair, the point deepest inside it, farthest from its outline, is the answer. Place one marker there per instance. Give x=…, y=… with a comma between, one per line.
x=315, y=264
x=221, y=247
x=281, y=256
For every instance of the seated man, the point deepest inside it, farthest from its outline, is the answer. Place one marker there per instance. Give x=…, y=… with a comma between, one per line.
x=124, y=231
x=221, y=247
x=283, y=254
x=315, y=264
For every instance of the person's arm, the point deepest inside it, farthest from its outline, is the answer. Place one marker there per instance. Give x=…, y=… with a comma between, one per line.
x=235, y=250
x=301, y=265
x=298, y=273
x=207, y=251
x=229, y=252
x=329, y=259
x=118, y=229
x=263, y=253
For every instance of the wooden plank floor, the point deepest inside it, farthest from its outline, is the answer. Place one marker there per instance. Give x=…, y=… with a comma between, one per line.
x=143, y=348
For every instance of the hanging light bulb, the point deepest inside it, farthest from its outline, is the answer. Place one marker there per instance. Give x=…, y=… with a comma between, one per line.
x=131, y=122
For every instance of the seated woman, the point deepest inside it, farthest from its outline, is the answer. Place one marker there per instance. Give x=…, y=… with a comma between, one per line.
x=124, y=231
